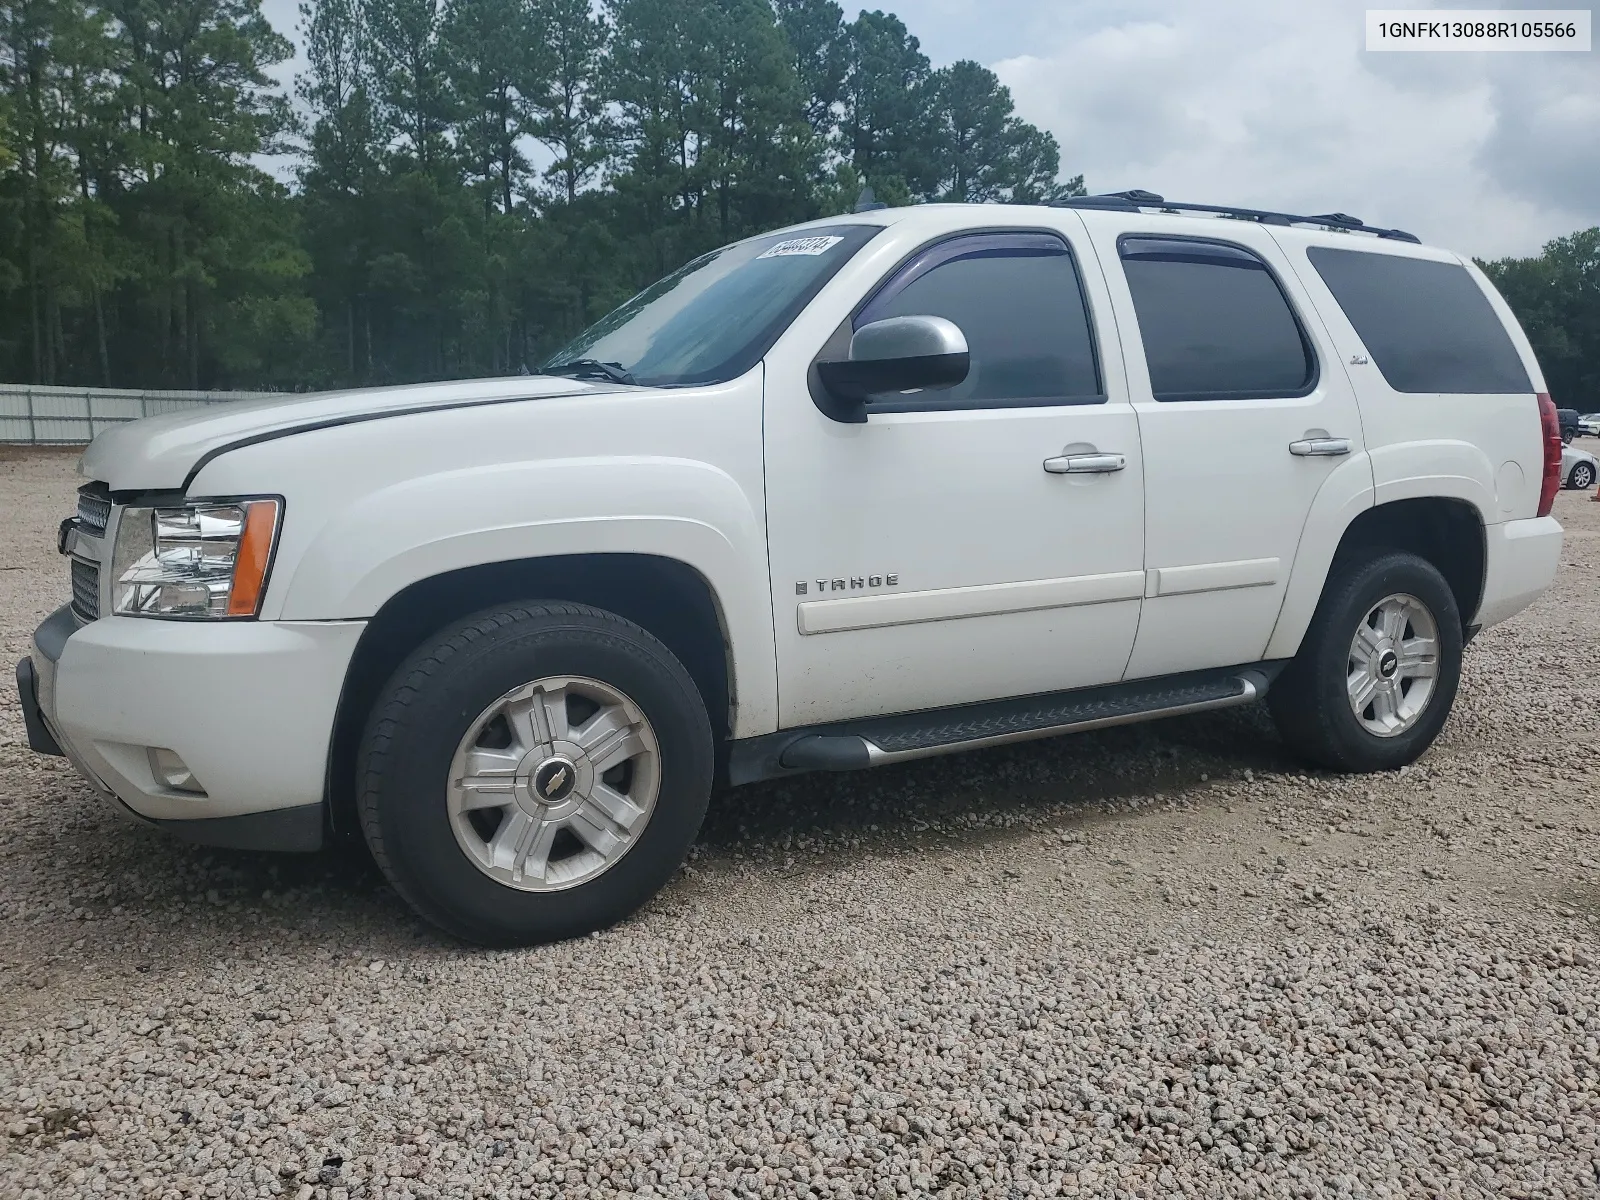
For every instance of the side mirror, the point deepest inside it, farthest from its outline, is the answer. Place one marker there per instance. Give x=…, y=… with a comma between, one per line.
x=899, y=354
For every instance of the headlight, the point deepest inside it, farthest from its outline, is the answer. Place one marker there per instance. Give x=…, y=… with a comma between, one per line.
x=199, y=560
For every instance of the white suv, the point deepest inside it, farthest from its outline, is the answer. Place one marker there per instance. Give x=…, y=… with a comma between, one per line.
x=878, y=487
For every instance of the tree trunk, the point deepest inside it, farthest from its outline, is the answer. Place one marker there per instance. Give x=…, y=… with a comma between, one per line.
x=35, y=314
x=57, y=342
x=192, y=335
x=100, y=339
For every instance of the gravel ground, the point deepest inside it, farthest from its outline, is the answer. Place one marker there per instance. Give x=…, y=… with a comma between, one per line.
x=1158, y=961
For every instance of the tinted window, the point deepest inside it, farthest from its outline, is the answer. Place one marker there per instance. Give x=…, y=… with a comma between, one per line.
x=713, y=319
x=1018, y=300
x=1214, y=322
x=1427, y=325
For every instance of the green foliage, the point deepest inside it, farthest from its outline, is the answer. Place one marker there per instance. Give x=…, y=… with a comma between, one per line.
x=474, y=180
x=1556, y=297
x=978, y=151
x=141, y=244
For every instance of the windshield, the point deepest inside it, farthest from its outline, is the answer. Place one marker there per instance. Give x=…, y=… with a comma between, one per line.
x=713, y=319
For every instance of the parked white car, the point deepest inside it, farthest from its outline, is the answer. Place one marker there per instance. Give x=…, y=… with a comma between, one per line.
x=1579, y=468
x=1589, y=424
x=878, y=487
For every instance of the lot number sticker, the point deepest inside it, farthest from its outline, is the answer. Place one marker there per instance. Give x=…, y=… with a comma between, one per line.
x=805, y=245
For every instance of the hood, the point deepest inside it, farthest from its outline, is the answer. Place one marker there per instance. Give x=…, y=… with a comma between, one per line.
x=158, y=453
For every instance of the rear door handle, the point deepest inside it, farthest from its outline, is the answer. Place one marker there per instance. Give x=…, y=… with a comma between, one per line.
x=1319, y=446
x=1085, y=464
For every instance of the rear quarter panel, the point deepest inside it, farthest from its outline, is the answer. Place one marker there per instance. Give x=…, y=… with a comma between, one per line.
x=1482, y=449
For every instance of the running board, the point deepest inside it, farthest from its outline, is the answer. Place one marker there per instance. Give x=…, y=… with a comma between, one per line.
x=875, y=741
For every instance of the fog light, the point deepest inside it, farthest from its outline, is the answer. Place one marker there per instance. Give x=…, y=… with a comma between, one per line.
x=171, y=771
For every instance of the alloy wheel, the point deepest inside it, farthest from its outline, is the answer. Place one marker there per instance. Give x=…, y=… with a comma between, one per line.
x=1393, y=665
x=553, y=783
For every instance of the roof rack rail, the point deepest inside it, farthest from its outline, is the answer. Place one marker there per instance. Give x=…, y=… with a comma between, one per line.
x=1136, y=199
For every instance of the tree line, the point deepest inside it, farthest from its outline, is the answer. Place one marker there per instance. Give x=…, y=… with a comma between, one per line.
x=472, y=181
x=1556, y=296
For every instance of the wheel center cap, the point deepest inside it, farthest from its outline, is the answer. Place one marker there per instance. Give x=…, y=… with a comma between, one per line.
x=554, y=780
x=1388, y=664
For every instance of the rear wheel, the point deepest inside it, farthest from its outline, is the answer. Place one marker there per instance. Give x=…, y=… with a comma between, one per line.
x=536, y=772
x=1377, y=673
x=1582, y=477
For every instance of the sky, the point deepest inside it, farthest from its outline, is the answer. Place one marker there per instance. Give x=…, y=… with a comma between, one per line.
x=1274, y=104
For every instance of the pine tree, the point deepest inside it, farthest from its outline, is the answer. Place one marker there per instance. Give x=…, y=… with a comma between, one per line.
x=408, y=74
x=337, y=177
x=567, y=111
x=819, y=54
x=494, y=59
x=218, y=290
x=55, y=60
x=886, y=130
x=978, y=150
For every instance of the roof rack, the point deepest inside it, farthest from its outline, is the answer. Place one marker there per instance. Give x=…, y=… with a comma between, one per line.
x=1136, y=199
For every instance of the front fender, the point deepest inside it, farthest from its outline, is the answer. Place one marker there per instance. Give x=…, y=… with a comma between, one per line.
x=417, y=528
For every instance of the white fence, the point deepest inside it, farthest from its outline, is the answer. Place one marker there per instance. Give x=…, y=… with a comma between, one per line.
x=61, y=416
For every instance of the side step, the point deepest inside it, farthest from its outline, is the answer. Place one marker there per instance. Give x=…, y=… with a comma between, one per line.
x=872, y=742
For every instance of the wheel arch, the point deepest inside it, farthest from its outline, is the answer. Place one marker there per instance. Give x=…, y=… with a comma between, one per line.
x=1444, y=530
x=667, y=597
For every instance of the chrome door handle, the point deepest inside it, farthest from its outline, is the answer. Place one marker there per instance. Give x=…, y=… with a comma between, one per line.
x=1085, y=464
x=1320, y=446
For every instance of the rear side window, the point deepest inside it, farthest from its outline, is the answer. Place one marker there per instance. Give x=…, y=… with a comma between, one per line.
x=1427, y=325
x=1018, y=299
x=1215, y=323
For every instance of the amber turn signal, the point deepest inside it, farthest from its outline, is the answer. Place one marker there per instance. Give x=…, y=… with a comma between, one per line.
x=255, y=552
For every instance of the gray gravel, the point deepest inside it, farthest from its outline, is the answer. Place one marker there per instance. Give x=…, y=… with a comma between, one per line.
x=1159, y=961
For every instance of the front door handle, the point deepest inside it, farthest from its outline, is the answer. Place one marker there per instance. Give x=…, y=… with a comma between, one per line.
x=1319, y=446
x=1085, y=464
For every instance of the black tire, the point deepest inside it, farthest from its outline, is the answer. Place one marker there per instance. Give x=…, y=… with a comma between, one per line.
x=1310, y=702
x=1582, y=477
x=426, y=709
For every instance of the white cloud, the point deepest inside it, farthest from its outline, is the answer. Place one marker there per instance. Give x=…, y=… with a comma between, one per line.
x=1270, y=105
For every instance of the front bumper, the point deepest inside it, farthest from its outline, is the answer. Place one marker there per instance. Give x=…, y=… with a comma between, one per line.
x=249, y=706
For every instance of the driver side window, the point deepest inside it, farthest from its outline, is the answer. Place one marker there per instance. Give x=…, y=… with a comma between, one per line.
x=1018, y=299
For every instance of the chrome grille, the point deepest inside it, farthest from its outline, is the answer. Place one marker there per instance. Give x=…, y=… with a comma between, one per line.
x=94, y=508
x=85, y=590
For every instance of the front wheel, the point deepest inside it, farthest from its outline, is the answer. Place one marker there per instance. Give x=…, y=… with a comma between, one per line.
x=1377, y=673
x=536, y=772
x=1582, y=477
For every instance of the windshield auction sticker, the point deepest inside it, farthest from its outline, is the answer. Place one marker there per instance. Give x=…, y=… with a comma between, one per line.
x=1478, y=29
x=805, y=245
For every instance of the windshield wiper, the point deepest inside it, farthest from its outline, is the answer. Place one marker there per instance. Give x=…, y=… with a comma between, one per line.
x=579, y=367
